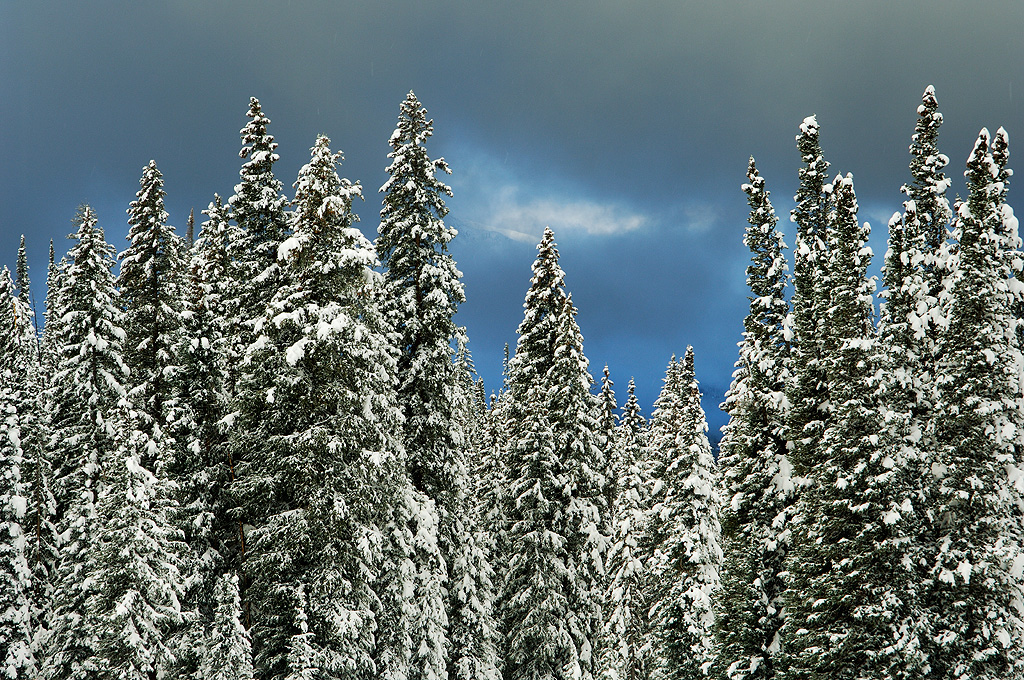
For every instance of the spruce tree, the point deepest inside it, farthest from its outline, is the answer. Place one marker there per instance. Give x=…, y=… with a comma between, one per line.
x=423, y=291
x=201, y=464
x=258, y=208
x=149, y=282
x=320, y=476
x=753, y=460
x=685, y=527
x=626, y=627
x=850, y=610
x=473, y=631
x=977, y=533
x=554, y=500
x=17, y=659
x=84, y=397
x=37, y=524
x=807, y=389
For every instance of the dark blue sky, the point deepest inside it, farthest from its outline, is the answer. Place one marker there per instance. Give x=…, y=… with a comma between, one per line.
x=626, y=127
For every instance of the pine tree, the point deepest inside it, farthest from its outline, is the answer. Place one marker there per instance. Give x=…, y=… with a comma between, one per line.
x=320, y=475
x=849, y=609
x=927, y=191
x=626, y=627
x=977, y=628
x=303, y=663
x=554, y=503
x=37, y=525
x=227, y=653
x=134, y=565
x=685, y=528
x=753, y=460
x=258, y=209
x=86, y=390
x=17, y=659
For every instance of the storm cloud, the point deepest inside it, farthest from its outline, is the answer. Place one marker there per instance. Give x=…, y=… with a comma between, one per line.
x=625, y=126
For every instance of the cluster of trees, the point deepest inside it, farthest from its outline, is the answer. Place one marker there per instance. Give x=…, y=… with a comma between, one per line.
x=261, y=451
x=872, y=527
x=264, y=453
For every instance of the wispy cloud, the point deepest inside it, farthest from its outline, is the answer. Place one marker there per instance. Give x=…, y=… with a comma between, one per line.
x=500, y=200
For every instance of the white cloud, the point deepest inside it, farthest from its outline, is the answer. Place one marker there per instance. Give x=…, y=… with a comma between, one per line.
x=502, y=202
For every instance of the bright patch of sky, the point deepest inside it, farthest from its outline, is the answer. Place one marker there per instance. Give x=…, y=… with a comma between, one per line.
x=519, y=205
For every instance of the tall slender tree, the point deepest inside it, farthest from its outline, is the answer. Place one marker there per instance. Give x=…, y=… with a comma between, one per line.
x=149, y=282
x=977, y=628
x=85, y=395
x=321, y=477
x=807, y=390
x=627, y=629
x=753, y=459
x=687, y=554
x=850, y=608
x=550, y=606
x=17, y=659
x=135, y=562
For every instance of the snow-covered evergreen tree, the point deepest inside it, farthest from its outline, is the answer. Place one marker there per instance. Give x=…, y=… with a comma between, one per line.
x=626, y=628
x=927, y=191
x=17, y=659
x=977, y=628
x=258, y=209
x=134, y=564
x=807, y=388
x=554, y=503
x=685, y=529
x=471, y=578
x=227, y=650
x=320, y=475
x=753, y=460
x=423, y=291
x=149, y=281
x=850, y=609
x=84, y=397
x=201, y=464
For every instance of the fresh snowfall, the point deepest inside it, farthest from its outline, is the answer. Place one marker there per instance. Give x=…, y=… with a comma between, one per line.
x=260, y=449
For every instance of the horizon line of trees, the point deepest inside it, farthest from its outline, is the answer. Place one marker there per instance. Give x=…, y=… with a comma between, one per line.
x=262, y=451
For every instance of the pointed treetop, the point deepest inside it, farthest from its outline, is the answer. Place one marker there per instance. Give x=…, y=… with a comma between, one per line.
x=22, y=273
x=688, y=375
x=257, y=145
x=190, y=232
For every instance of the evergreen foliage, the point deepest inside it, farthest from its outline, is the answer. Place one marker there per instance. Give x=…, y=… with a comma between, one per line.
x=227, y=653
x=149, y=282
x=201, y=461
x=550, y=604
x=86, y=392
x=807, y=391
x=850, y=607
x=17, y=659
x=627, y=652
x=134, y=564
x=685, y=529
x=319, y=476
x=756, y=471
x=972, y=589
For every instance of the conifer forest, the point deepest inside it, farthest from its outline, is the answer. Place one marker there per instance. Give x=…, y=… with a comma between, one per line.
x=259, y=448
